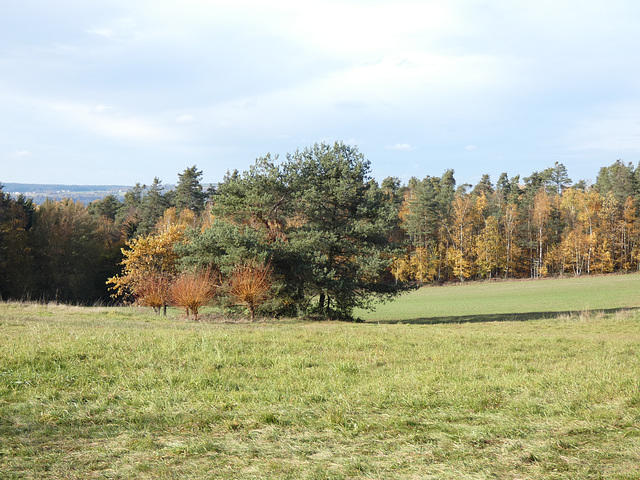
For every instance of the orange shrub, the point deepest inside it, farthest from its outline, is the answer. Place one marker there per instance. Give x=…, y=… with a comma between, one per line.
x=250, y=284
x=192, y=290
x=153, y=291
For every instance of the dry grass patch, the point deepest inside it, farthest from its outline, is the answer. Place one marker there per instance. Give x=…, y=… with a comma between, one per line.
x=99, y=393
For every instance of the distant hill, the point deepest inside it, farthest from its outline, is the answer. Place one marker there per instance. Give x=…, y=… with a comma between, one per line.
x=84, y=193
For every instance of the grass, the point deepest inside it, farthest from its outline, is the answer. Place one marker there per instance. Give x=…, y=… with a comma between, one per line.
x=513, y=300
x=121, y=394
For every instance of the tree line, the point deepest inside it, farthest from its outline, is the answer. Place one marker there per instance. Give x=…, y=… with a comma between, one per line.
x=65, y=251
x=538, y=226
x=325, y=236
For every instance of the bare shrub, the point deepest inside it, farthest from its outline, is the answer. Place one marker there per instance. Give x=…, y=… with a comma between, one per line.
x=623, y=314
x=153, y=291
x=250, y=284
x=193, y=290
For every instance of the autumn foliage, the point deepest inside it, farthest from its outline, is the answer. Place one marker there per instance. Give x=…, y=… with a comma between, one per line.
x=148, y=259
x=250, y=284
x=153, y=291
x=338, y=240
x=528, y=231
x=192, y=290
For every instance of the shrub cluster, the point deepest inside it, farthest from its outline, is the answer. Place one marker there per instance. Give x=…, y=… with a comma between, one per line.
x=250, y=285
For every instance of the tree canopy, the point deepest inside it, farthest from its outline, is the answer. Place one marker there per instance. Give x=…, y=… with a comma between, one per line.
x=320, y=220
x=334, y=240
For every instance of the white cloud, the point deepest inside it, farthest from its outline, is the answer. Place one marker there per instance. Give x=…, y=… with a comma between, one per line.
x=243, y=75
x=345, y=28
x=121, y=28
x=21, y=154
x=109, y=122
x=102, y=109
x=403, y=147
x=186, y=118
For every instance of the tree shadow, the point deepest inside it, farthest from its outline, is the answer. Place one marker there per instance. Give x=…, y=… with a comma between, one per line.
x=506, y=317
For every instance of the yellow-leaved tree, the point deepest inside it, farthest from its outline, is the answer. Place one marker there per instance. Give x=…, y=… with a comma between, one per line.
x=540, y=215
x=490, y=251
x=149, y=263
x=511, y=223
x=460, y=253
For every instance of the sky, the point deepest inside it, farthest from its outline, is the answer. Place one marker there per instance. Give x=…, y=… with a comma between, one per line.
x=122, y=91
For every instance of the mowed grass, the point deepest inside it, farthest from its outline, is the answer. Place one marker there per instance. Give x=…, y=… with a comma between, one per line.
x=512, y=300
x=119, y=393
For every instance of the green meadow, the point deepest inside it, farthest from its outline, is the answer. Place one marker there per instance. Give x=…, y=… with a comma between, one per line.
x=513, y=380
x=512, y=300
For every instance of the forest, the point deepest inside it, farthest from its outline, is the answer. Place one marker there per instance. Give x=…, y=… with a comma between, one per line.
x=326, y=236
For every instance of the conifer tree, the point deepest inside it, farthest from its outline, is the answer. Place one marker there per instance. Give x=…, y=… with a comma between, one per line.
x=319, y=218
x=189, y=193
x=152, y=206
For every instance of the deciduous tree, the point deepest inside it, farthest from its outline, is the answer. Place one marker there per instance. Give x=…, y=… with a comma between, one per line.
x=16, y=255
x=147, y=256
x=68, y=244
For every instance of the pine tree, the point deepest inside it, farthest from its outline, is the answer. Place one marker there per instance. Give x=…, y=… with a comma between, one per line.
x=320, y=219
x=152, y=206
x=189, y=193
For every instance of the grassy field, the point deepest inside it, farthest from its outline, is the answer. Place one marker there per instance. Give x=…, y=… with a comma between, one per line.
x=513, y=300
x=121, y=394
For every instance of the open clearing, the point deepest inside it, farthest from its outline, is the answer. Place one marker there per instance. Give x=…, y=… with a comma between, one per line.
x=512, y=300
x=118, y=393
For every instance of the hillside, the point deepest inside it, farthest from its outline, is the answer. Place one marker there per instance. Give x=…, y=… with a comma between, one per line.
x=84, y=193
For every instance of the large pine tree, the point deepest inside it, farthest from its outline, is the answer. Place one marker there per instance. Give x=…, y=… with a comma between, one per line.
x=321, y=220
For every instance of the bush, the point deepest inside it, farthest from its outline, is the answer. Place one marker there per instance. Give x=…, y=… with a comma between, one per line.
x=192, y=290
x=153, y=291
x=250, y=284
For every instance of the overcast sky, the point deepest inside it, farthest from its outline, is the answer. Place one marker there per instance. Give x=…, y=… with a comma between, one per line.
x=118, y=92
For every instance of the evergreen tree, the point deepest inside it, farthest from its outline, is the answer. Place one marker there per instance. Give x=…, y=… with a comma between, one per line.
x=153, y=206
x=344, y=224
x=130, y=213
x=558, y=177
x=618, y=178
x=189, y=193
x=320, y=220
x=16, y=258
x=484, y=186
x=107, y=207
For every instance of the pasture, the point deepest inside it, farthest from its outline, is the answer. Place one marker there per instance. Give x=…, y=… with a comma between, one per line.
x=512, y=300
x=517, y=380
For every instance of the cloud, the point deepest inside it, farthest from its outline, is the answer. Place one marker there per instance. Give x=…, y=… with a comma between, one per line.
x=187, y=118
x=21, y=154
x=146, y=76
x=402, y=147
x=109, y=122
x=370, y=28
x=101, y=109
x=122, y=28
